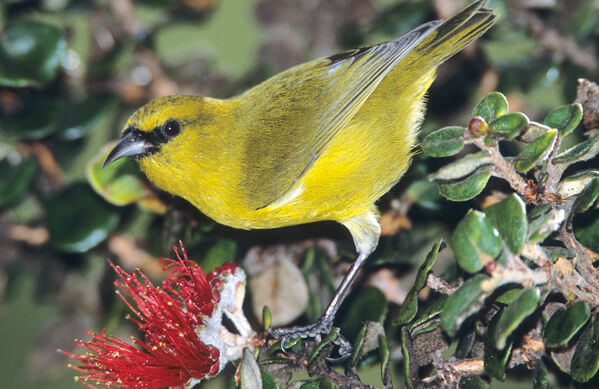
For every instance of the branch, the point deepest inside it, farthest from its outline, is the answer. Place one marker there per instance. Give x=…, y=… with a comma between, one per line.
x=440, y=285
x=502, y=169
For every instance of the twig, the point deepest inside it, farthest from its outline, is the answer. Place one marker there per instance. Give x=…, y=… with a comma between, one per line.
x=532, y=348
x=551, y=39
x=440, y=285
x=502, y=169
x=450, y=372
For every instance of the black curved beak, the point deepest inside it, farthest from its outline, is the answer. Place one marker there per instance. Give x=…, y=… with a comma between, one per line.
x=130, y=145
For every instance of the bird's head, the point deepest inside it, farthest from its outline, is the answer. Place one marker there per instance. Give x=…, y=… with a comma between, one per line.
x=158, y=129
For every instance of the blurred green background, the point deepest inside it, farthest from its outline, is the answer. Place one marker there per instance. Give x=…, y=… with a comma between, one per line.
x=71, y=72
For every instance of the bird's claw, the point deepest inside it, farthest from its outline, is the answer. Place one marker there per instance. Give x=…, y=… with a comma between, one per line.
x=292, y=335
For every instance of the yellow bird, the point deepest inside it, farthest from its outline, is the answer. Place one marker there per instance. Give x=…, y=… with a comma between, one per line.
x=320, y=141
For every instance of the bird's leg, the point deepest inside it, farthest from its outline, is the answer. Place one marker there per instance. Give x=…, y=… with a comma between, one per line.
x=325, y=323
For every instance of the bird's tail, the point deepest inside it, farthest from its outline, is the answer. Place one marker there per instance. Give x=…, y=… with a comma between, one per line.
x=451, y=36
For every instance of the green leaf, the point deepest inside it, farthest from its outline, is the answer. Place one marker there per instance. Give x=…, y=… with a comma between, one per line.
x=533, y=131
x=357, y=345
x=409, y=308
x=311, y=385
x=462, y=167
x=406, y=343
x=465, y=344
x=85, y=116
x=266, y=318
x=428, y=327
x=509, y=125
x=515, y=313
x=540, y=380
x=574, y=184
x=383, y=355
x=465, y=301
x=536, y=151
x=429, y=312
x=565, y=324
x=233, y=54
x=36, y=119
x=581, y=152
x=250, y=375
x=509, y=217
x=30, y=53
x=474, y=382
x=467, y=188
x=588, y=235
x=120, y=183
x=16, y=180
x=508, y=296
x=368, y=303
x=220, y=252
x=366, y=341
x=424, y=193
x=267, y=381
x=475, y=241
x=564, y=118
x=585, y=361
x=494, y=358
x=444, y=142
x=491, y=106
x=325, y=342
x=542, y=221
x=587, y=197
x=78, y=219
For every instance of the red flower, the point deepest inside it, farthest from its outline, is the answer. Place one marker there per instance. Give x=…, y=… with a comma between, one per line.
x=173, y=319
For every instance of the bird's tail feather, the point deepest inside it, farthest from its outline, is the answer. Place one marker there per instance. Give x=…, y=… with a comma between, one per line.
x=452, y=35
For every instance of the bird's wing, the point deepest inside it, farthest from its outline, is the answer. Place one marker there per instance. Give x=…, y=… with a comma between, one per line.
x=296, y=113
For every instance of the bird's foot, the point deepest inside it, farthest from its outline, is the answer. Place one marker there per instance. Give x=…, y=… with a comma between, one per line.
x=322, y=326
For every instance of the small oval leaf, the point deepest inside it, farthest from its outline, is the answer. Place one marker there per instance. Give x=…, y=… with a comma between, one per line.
x=491, y=106
x=465, y=301
x=509, y=125
x=30, y=53
x=79, y=220
x=509, y=217
x=462, y=167
x=120, y=183
x=564, y=118
x=249, y=372
x=540, y=379
x=581, y=152
x=267, y=381
x=475, y=241
x=444, y=142
x=533, y=131
x=383, y=355
x=515, y=313
x=508, y=296
x=574, y=184
x=429, y=312
x=368, y=304
x=16, y=180
x=494, y=358
x=409, y=308
x=585, y=361
x=536, y=151
x=467, y=188
x=565, y=323
x=587, y=197
x=542, y=221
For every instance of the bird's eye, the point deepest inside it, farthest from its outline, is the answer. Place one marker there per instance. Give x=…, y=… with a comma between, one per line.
x=172, y=128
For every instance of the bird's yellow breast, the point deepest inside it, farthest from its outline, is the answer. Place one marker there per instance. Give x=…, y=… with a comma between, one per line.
x=357, y=167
